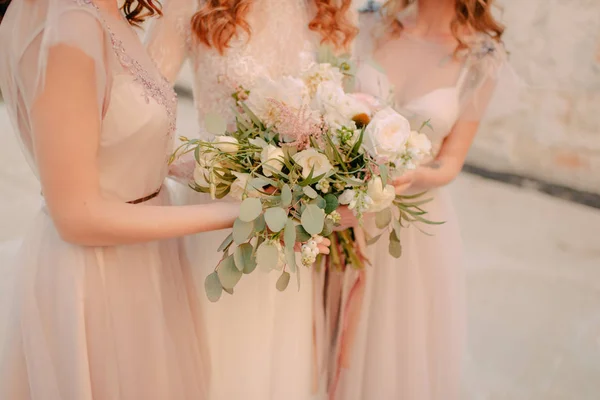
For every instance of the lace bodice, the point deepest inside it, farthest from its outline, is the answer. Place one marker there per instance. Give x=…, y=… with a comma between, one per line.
x=280, y=44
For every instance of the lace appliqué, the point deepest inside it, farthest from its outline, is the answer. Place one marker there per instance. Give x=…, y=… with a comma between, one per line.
x=160, y=91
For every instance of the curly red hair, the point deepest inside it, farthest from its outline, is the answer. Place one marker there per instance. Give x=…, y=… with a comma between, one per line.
x=219, y=21
x=474, y=15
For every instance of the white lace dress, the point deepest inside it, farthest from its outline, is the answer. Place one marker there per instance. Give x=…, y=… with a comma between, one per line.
x=260, y=340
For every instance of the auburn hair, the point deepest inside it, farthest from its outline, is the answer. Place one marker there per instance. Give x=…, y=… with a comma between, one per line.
x=470, y=15
x=219, y=21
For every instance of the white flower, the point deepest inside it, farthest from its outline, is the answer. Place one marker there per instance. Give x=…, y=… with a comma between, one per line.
x=387, y=134
x=418, y=145
x=271, y=156
x=227, y=144
x=337, y=107
x=319, y=73
x=242, y=185
x=347, y=197
x=311, y=159
x=289, y=91
x=382, y=197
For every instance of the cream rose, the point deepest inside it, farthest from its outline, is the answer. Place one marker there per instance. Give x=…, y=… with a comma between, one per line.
x=311, y=159
x=200, y=174
x=228, y=144
x=382, y=197
x=418, y=145
x=242, y=185
x=336, y=106
x=387, y=134
x=271, y=156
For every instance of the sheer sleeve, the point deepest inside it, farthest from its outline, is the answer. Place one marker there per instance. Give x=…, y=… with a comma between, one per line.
x=480, y=77
x=168, y=37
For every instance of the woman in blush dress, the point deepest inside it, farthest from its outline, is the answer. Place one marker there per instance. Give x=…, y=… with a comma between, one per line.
x=441, y=60
x=104, y=306
x=260, y=339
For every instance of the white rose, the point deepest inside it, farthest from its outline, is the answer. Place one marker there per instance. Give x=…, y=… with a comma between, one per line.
x=241, y=185
x=319, y=73
x=227, y=144
x=382, y=197
x=387, y=134
x=418, y=145
x=200, y=174
x=311, y=159
x=273, y=157
x=337, y=107
x=289, y=91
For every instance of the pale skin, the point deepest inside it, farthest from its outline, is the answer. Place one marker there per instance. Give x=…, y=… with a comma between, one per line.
x=65, y=108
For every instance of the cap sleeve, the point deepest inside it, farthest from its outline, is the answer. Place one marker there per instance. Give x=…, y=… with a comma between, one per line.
x=77, y=26
x=480, y=76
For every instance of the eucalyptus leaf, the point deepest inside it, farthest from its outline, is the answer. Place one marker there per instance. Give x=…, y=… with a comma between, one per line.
x=373, y=240
x=395, y=247
x=301, y=234
x=228, y=273
x=283, y=281
x=383, y=218
x=229, y=291
x=320, y=202
x=243, y=256
x=397, y=227
x=215, y=124
x=242, y=231
x=286, y=196
x=327, y=228
x=226, y=243
x=310, y=192
x=267, y=256
x=289, y=235
x=276, y=217
x=212, y=287
x=250, y=209
x=313, y=219
x=260, y=224
x=384, y=173
x=331, y=203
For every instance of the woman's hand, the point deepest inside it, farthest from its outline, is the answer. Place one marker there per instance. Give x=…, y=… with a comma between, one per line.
x=348, y=220
x=404, y=182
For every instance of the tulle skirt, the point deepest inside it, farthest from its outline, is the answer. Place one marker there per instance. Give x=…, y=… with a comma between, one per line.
x=409, y=343
x=260, y=339
x=103, y=323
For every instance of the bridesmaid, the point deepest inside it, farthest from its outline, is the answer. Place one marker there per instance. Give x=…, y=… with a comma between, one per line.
x=441, y=59
x=105, y=306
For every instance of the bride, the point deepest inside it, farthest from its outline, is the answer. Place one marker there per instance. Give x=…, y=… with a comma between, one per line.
x=260, y=340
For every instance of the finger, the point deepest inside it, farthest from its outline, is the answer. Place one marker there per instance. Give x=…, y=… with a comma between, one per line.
x=323, y=249
x=326, y=242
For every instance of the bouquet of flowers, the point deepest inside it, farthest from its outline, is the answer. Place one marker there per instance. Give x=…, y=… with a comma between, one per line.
x=301, y=147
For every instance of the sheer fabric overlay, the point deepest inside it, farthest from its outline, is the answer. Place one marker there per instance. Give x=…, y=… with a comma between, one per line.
x=116, y=322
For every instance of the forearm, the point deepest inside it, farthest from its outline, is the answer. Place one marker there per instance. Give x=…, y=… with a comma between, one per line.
x=104, y=223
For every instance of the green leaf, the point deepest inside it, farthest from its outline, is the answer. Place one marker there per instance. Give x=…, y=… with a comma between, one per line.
x=301, y=234
x=242, y=231
x=258, y=142
x=230, y=291
x=383, y=218
x=384, y=173
x=373, y=240
x=226, y=243
x=286, y=196
x=260, y=224
x=289, y=234
x=283, y=281
x=267, y=256
x=331, y=203
x=212, y=287
x=250, y=209
x=310, y=192
x=276, y=218
x=320, y=202
x=215, y=124
x=290, y=259
x=313, y=219
x=395, y=248
x=397, y=227
x=327, y=228
x=243, y=256
x=228, y=273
